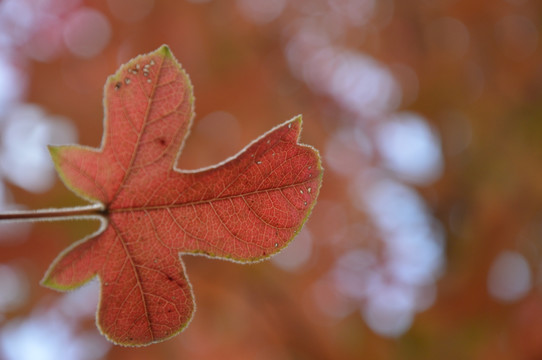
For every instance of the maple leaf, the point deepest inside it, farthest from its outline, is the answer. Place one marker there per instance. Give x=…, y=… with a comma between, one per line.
x=244, y=209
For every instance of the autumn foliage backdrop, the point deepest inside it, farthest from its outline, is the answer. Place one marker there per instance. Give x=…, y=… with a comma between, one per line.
x=426, y=240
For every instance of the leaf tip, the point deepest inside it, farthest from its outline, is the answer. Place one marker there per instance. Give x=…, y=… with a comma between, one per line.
x=53, y=151
x=296, y=121
x=46, y=281
x=165, y=51
x=49, y=282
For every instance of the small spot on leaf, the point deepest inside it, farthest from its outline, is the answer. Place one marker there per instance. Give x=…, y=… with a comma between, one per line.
x=161, y=141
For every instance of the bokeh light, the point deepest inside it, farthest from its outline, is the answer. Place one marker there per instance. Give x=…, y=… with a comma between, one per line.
x=518, y=36
x=509, y=278
x=261, y=11
x=298, y=254
x=348, y=150
x=24, y=159
x=15, y=288
x=87, y=32
x=410, y=148
x=52, y=331
x=12, y=85
x=448, y=37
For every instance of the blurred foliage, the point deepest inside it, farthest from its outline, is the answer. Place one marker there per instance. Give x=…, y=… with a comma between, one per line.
x=472, y=69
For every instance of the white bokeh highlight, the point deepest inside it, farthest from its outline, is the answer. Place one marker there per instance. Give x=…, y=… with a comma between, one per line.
x=15, y=288
x=52, y=332
x=24, y=158
x=509, y=277
x=410, y=148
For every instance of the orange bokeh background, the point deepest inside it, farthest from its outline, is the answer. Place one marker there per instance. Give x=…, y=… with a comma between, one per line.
x=426, y=240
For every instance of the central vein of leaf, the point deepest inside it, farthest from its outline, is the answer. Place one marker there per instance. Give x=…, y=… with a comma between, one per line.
x=200, y=202
x=142, y=131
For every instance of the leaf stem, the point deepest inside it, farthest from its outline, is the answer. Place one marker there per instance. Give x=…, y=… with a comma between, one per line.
x=54, y=214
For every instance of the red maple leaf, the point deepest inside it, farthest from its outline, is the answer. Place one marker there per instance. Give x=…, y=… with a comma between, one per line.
x=244, y=209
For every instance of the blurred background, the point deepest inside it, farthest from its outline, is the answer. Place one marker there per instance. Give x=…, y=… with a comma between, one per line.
x=426, y=241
